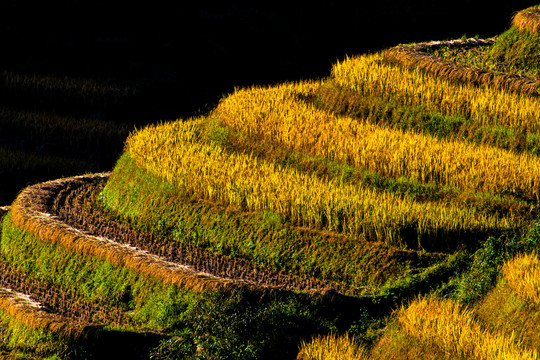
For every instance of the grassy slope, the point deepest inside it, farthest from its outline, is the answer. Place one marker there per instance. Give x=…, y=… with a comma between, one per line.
x=514, y=52
x=252, y=327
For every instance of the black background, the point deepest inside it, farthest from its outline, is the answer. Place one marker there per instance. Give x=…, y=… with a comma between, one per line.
x=211, y=48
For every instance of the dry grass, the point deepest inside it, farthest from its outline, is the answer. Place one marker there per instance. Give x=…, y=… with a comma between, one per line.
x=528, y=20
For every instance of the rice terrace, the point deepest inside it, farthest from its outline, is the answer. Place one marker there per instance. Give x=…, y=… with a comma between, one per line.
x=387, y=211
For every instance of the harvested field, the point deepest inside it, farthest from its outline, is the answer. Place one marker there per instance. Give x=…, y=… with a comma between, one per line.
x=62, y=301
x=29, y=211
x=33, y=314
x=528, y=20
x=63, y=211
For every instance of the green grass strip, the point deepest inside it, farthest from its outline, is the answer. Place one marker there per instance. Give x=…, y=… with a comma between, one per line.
x=151, y=301
x=265, y=238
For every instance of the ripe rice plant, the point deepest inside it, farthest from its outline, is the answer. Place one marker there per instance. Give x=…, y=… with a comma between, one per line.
x=370, y=75
x=276, y=113
x=528, y=20
x=332, y=347
x=447, y=326
x=504, y=310
x=172, y=153
x=523, y=275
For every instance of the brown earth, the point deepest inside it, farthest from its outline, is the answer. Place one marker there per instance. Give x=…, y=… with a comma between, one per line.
x=75, y=205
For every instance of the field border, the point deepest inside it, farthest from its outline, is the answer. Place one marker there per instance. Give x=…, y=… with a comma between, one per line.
x=30, y=212
x=528, y=20
x=32, y=314
x=415, y=57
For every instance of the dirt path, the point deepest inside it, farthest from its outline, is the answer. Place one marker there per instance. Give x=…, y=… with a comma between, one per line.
x=74, y=204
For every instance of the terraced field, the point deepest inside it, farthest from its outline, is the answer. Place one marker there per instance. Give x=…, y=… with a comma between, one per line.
x=388, y=211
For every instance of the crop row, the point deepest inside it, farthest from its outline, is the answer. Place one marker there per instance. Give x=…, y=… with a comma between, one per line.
x=487, y=105
x=62, y=301
x=417, y=57
x=171, y=152
x=342, y=101
x=29, y=212
x=32, y=314
x=76, y=205
x=276, y=114
x=95, y=233
x=41, y=316
x=528, y=20
x=263, y=238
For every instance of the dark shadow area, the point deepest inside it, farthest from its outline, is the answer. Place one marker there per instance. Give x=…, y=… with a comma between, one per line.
x=122, y=64
x=113, y=344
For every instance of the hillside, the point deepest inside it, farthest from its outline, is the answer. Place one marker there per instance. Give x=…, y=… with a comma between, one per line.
x=389, y=210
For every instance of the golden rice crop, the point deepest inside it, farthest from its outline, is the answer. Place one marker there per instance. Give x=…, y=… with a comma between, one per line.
x=370, y=75
x=453, y=329
x=276, y=113
x=416, y=57
x=331, y=347
x=171, y=153
x=523, y=275
x=528, y=20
